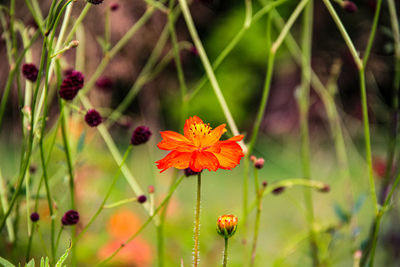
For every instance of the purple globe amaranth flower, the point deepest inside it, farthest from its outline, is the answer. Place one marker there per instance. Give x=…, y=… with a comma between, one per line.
x=95, y=2
x=71, y=84
x=104, y=83
x=189, y=172
x=140, y=135
x=71, y=217
x=349, y=6
x=35, y=217
x=114, y=6
x=30, y=71
x=141, y=199
x=93, y=118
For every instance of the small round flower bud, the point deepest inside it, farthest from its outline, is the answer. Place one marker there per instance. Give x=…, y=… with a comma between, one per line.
x=264, y=183
x=194, y=51
x=35, y=217
x=151, y=189
x=104, y=83
x=30, y=71
x=190, y=172
x=95, y=2
x=140, y=135
x=114, y=6
x=93, y=118
x=141, y=199
x=325, y=189
x=227, y=225
x=253, y=158
x=259, y=163
x=71, y=84
x=74, y=43
x=71, y=217
x=32, y=169
x=349, y=6
x=278, y=190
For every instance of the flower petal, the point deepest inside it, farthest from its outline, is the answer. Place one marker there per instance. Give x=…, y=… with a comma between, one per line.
x=175, y=141
x=203, y=160
x=229, y=154
x=179, y=160
x=214, y=136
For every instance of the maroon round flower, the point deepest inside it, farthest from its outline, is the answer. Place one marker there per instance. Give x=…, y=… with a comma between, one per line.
x=71, y=217
x=93, y=118
x=349, y=6
x=35, y=217
x=278, y=190
x=30, y=71
x=189, y=172
x=95, y=2
x=114, y=6
x=104, y=83
x=140, y=135
x=141, y=199
x=71, y=84
x=325, y=189
x=259, y=163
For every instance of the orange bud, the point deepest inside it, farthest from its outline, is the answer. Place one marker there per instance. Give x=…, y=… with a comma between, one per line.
x=227, y=225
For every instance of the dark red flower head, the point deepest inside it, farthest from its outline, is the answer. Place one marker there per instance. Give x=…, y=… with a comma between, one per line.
x=71, y=84
x=141, y=199
x=349, y=6
x=114, y=6
x=95, y=2
x=35, y=217
x=93, y=118
x=30, y=71
x=140, y=135
x=71, y=217
x=278, y=190
x=104, y=83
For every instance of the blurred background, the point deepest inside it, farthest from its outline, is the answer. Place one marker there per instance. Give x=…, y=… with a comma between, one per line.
x=346, y=212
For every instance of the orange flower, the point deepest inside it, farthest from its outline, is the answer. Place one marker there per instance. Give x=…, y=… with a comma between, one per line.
x=199, y=148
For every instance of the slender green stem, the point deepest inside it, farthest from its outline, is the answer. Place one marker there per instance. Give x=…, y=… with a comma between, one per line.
x=207, y=66
x=67, y=153
x=59, y=236
x=344, y=33
x=4, y=205
x=120, y=203
x=248, y=15
x=196, y=256
x=78, y=22
x=225, y=262
x=372, y=33
x=257, y=220
x=181, y=75
x=107, y=195
x=163, y=203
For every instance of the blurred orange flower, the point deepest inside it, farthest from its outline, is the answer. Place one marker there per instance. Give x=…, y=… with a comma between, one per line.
x=199, y=148
x=123, y=224
x=136, y=253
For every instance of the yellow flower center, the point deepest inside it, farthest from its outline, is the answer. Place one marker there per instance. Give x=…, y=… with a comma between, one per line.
x=199, y=130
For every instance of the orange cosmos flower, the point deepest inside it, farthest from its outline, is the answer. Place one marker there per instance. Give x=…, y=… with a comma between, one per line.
x=199, y=148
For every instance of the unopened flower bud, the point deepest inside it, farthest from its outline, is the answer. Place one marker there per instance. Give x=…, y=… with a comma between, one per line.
x=253, y=158
x=278, y=190
x=35, y=217
x=349, y=6
x=141, y=199
x=140, y=135
x=151, y=189
x=259, y=163
x=74, y=43
x=114, y=6
x=325, y=189
x=227, y=225
x=71, y=217
x=95, y=2
x=264, y=183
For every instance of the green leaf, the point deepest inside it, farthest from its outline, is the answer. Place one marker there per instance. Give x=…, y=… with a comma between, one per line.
x=359, y=203
x=6, y=263
x=341, y=214
x=45, y=262
x=63, y=257
x=31, y=263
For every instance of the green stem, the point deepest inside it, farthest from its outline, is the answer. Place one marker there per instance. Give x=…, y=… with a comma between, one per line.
x=344, y=33
x=257, y=220
x=372, y=33
x=209, y=70
x=163, y=203
x=102, y=205
x=78, y=22
x=225, y=262
x=4, y=205
x=196, y=258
